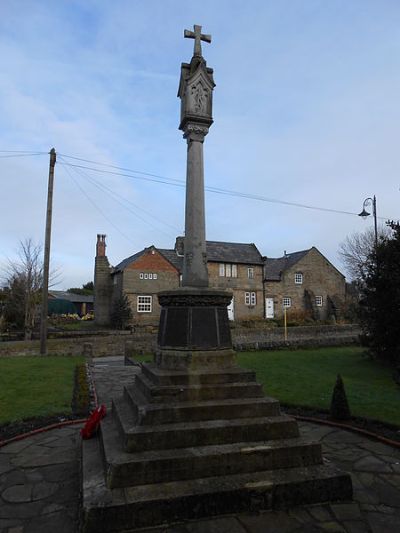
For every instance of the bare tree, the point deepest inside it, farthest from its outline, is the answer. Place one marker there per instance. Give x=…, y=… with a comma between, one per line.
x=356, y=249
x=23, y=279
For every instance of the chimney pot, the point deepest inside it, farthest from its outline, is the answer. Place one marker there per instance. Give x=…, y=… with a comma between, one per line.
x=101, y=245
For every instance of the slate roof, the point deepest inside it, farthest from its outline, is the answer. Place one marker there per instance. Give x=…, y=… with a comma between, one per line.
x=72, y=297
x=273, y=267
x=233, y=252
x=220, y=252
x=172, y=257
x=125, y=262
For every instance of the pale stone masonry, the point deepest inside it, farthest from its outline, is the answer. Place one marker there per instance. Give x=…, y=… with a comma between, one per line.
x=306, y=282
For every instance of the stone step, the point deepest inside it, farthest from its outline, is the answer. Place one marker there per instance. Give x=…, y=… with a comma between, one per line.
x=158, y=466
x=106, y=509
x=201, y=433
x=172, y=412
x=162, y=377
x=189, y=393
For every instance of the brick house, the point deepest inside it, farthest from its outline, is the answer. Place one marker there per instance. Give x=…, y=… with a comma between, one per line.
x=303, y=281
x=141, y=276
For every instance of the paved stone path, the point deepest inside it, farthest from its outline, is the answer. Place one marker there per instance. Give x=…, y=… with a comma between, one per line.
x=39, y=482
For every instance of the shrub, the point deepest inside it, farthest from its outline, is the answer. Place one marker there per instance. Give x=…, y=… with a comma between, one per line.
x=340, y=409
x=81, y=396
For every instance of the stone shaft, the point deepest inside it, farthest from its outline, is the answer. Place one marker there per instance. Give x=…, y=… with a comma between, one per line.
x=195, y=272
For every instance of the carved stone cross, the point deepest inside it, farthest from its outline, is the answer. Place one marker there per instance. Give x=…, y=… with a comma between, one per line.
x=198, y=37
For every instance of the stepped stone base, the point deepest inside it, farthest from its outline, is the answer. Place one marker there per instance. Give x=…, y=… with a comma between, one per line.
x=183, y=444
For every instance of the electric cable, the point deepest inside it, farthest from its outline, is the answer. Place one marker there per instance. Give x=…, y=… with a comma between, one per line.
x=116, y=197
x=98, y=208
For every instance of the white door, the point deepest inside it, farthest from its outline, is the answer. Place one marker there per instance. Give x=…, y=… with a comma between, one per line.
x=269, y=308
x=231, y=313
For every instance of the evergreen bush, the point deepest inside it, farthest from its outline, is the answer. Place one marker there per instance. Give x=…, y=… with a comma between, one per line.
x=339, y=409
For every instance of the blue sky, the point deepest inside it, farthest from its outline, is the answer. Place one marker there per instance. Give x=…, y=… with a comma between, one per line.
x=306, y=110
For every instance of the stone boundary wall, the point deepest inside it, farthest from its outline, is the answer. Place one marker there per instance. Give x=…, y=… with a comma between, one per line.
x=144, y=341
x=299, y=336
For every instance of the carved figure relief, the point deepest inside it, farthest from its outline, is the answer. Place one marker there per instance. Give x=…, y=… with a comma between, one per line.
x=200, y=98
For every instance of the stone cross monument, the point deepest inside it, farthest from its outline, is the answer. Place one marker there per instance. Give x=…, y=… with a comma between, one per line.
x=194, y=318
x=194, y=435
x=195, y=91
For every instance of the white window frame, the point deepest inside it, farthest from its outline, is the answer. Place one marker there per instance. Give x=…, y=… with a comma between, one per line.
x=154, y=275
x=250, y=273
x=144, y=303
x=319, y=301
x=141, y=275
x=286, y=302
x=228, y=270
x=146, y=275
x=298, y=278
x=250, y=298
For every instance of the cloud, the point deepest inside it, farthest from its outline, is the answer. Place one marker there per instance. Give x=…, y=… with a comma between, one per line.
x=306, y=110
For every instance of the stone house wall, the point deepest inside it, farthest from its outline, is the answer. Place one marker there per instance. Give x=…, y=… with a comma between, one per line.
x=239, y=286
x=320, y=278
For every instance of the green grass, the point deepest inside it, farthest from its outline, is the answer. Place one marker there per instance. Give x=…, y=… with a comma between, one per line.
x=78, y=325
x=307, y=378
x=35, y=386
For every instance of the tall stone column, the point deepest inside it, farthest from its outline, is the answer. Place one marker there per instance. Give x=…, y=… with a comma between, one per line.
x=194, y=327
x=195, y=272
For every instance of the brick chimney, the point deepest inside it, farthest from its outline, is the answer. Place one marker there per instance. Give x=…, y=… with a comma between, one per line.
x=101, y=245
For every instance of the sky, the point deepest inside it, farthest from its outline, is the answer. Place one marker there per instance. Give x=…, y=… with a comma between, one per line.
x=306, y=111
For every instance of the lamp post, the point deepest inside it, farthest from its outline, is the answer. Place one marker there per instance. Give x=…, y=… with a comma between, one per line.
x=364, y=214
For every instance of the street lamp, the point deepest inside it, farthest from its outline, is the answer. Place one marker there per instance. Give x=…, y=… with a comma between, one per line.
x=364, y=214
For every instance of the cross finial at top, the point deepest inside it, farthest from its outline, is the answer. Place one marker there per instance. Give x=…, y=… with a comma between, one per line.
x=198, y=37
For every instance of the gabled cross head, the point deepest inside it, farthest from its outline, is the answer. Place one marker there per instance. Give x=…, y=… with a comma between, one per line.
x=198, y=37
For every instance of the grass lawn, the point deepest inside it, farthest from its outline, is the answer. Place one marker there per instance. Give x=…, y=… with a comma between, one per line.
x=307, y=378
x=35, y=386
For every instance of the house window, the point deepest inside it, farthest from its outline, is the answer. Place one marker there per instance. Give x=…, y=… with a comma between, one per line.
x=228, y=270
x=298, y=278
x=287, y=302
x=318, y=301
x=250, y=273
x=250, y=298
x=144, y=304
x=147, y=275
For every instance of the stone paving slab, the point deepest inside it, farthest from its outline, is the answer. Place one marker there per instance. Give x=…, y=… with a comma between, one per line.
x=40, y=489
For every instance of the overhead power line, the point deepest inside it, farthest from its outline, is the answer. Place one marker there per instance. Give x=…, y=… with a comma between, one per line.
x=216, y=190
x=21, y=155
x=123, y=201
x=97, y=207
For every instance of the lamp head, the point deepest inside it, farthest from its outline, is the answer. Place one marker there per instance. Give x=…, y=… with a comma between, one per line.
x=364, y=214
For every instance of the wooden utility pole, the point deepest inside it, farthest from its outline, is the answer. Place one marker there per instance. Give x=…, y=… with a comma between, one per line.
x=46, y=261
